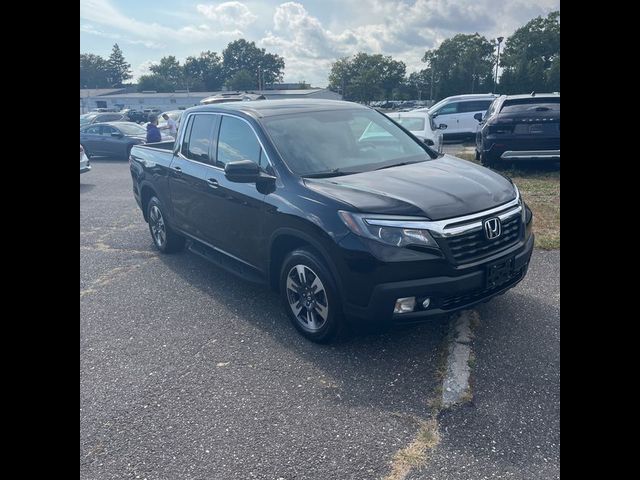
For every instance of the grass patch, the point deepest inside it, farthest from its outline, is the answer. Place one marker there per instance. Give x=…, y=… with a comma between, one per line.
x=540, y=188
x=415, y=454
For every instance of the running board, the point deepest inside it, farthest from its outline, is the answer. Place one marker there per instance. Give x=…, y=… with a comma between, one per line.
x=232, y=265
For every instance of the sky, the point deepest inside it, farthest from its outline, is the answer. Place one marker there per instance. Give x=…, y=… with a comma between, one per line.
x=309, y=35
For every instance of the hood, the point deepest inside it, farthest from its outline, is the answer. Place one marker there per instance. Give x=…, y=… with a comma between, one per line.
x=438, y=189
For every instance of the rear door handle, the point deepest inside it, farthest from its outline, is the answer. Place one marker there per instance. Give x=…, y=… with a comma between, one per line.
x=212, y=182
x=177, y=169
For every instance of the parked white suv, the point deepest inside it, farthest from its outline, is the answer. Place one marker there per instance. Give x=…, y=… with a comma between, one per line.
x=458, y=112
x=422, y=125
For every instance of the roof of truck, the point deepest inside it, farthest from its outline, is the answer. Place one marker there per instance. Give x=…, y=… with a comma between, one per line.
x=268, y=108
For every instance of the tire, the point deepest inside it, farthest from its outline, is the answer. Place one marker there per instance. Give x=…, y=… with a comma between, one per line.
x=164, y=238
x=477, y=155
x=313, y=305
x=129, y=152
x=487, y=159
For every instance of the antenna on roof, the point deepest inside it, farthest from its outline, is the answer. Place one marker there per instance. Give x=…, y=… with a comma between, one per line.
x=533, y=94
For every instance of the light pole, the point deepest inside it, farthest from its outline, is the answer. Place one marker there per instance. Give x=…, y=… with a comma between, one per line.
x=495, y=83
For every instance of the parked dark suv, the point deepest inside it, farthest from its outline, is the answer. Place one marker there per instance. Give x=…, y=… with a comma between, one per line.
x=520, y=127
x=337, y=207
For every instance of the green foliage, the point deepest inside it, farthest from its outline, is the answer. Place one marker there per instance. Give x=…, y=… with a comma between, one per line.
x=93, y=71
x=118, y=70
x=366, y=77
x=155, y=82
x=531, y=59
x=204, y=73
x=242, y=55
x=170, y=70
x=462, y=64
x=241, y=80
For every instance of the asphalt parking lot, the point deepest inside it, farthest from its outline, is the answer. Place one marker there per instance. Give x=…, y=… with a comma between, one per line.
x=187, y=372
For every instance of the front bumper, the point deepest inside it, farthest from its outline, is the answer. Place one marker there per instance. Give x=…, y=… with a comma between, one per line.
x=448, y=294
x=85, y=168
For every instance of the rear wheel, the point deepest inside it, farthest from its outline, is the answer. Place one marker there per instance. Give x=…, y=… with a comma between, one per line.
x=310, y=297
x=164, y=238
x=488, y=159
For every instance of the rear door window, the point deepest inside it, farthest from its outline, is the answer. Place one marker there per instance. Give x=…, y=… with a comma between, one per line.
x=199, y=138
x=474, y=106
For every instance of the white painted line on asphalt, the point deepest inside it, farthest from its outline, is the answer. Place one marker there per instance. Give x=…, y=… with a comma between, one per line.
x=455, y=386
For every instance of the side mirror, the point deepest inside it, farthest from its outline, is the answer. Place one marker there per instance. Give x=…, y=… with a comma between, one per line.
x=429, y=142
x=442, y=126
x=245, y=171
x=478, y=116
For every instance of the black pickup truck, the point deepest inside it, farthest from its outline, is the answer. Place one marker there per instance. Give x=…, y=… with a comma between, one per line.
x=342, y=222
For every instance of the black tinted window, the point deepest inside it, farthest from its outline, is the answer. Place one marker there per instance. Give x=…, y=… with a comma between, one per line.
x=200, y=135
x=475, y=106
x=106, y=130
x=530, y=104
x=92, y=130
x=237, y=141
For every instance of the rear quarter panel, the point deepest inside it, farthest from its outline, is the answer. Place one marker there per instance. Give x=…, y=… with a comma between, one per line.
x=150, y=169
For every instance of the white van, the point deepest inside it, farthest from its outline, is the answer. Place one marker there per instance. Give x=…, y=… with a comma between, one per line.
x=457, y=113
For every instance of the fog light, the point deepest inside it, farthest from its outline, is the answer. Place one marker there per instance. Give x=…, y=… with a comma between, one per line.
x=405, y=305
x=426, y=302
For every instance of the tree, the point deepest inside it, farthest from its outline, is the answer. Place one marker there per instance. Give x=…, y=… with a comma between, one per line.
x=93, y=71
x=262, y=66
x=170, y=70
x=531, y=58
x=204, y=72
x=155, y=82
x=241, y=80
x=118, y=70
x=366, y=77
x=461, y=64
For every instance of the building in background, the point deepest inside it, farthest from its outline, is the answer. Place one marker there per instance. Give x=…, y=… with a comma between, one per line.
x=90, y=99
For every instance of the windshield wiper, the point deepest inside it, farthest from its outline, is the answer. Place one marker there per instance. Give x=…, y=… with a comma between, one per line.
x=395, y=165
x=336, y=172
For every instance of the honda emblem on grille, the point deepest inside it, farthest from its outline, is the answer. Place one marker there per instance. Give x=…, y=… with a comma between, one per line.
x=492, y=228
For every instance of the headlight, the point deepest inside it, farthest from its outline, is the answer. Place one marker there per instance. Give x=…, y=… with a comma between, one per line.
x=388, y=229
x=521, y=203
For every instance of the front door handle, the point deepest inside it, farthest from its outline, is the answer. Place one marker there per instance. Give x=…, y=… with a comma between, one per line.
x=212, y=182
x=177, y=169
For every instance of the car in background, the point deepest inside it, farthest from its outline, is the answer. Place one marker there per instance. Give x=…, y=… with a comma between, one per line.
x=85, y=164
x=520, y=127
x=422, y=125
x=234, y=97
x=458, y=113
x=175, y=115
x=113, y=138
x=99, y=117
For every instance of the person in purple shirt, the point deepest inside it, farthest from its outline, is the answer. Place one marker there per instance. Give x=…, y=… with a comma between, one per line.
x=153, y=133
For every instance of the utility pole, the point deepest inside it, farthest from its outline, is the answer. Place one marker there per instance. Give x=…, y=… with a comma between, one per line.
x=431, y=86
x=495, y=83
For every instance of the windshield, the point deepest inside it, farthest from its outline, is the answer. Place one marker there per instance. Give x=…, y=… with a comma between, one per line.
x=341, y=142
x=412, y=124
x=131, y=129
x=86, y=118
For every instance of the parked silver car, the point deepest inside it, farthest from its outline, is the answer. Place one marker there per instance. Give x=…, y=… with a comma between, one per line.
x=85, y=164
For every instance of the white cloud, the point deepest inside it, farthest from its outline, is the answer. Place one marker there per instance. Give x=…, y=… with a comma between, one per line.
x=102, y=12
x=228, y=13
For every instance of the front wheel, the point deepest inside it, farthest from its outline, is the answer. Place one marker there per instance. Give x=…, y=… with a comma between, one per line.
x=164, y=238
x=310, y=297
